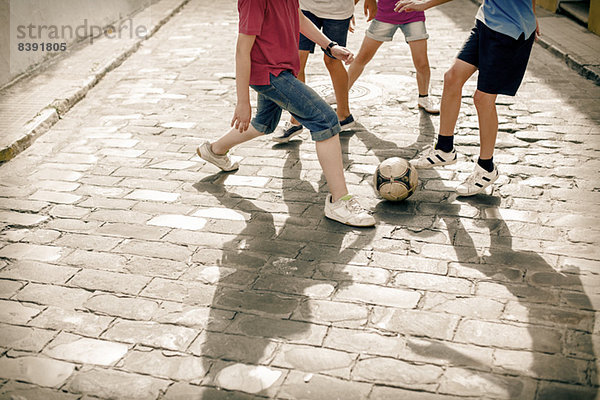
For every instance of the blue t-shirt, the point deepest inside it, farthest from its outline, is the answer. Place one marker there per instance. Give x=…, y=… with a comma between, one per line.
x=510, y=17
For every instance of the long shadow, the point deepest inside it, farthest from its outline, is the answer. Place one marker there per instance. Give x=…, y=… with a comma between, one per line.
x=559, y=346
x=281, y=267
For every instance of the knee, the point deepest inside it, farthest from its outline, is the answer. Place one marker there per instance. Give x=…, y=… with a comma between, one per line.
x=421, y=64
x=483, y=100
x=330, y=62
x=452, y=80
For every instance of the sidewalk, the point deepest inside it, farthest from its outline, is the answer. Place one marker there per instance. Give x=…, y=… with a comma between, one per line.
x=30, y=107
x=131, y=269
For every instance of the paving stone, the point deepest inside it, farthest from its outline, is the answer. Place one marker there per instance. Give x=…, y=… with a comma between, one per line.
x=124, y=307
x=78, y=349
x=397, y=373
x=132, y=231
x=314, y=360
x=294, y=285
x=221, y=213
x=551, y=316
x=292, y=331
x=38, y=370
x=432, y=282
x=508, y=336
x=372, y=294
x=96, y=260
x=340, y=272
x=335, y=313
x=556, y=390
x=22, y=204
x=431, y=351
x=82, y=323
x=193, y=316
x=24, y=338
x=21, y=219
x=155, y=267
x=87, y=242
x=155, y=249
x=185, y=391
x=462, y=381
x=21, y=390
x=116, y=384
x=415, y=322
x=164, y=365
x=186, y=292
x=475, y=307
x=178, y=221
x=243, y=349
x=9, y=288
x=17, y=313
x=152, y=334
x=22, y=251
x=55, y=197
x=152, y=195
x=389, y=393
x=273, y=304
x=109, y=281
x=309, y=386
x=53, y=295
x=120, y=216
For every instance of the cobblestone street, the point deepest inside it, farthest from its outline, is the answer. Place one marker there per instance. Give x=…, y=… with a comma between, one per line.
x=131, y=269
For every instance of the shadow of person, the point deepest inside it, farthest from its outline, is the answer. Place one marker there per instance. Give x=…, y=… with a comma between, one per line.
x=286, y=262
x=535, y=340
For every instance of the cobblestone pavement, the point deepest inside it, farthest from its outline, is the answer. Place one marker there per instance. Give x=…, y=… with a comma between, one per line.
x=130, y=269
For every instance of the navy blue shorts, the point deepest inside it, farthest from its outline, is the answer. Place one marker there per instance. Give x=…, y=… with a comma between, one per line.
x=501, y=60
x=335, y=29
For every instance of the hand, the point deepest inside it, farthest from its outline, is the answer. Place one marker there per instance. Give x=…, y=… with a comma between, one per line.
x=410, y=5
x=352, y=25
x=342, y=53
x=242, y=116
x=538, y=33
x=370, y=9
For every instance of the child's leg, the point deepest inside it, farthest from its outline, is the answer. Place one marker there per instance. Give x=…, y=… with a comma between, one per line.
x=339, y=79
x=329, y=153
x=454, y=80
x=488, y=122
x=418, y=51
x=233, y=138
x=367, y=50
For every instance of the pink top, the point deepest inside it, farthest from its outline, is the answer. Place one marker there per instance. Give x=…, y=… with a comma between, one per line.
x=386, y=13
x=276, y=26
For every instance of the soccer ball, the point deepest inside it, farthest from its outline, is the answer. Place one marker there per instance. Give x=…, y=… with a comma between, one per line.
x=395, y=179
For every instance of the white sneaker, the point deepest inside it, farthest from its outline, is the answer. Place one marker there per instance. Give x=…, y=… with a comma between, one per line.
x=429, y=104
x=477, y=181
x=348, y=210
x=431, y=157
x=224, y=162
x=288, y=131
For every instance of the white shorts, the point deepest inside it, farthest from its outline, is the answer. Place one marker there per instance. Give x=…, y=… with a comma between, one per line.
x=384, y=32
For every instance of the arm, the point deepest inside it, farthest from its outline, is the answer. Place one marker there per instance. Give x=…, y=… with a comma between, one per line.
x=537, y=25
x=370, y=9
x=308, y=29
x=417, y=5
x=243, y=110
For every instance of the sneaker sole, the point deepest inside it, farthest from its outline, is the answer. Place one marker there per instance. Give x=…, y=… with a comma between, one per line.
x=288, y=138
x=348, y=126
x=481, y=190
x=233, y=168
x=434, y=112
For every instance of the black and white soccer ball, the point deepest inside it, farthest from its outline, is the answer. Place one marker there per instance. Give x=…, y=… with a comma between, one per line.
x=395, y=179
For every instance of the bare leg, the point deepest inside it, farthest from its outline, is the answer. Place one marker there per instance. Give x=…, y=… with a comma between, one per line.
x=418, y=50
x=339, y=79
x=488, y=122
x=454, y=80
x=301, y=75
x=329, y=153
x=233, y=138
x=367, y=50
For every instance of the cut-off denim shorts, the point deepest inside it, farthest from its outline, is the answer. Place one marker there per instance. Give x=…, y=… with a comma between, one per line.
x=288, y=93
x=384, y=32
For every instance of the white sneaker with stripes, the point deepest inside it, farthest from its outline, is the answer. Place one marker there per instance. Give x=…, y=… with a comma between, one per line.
x=432, y=157
x=477, y=182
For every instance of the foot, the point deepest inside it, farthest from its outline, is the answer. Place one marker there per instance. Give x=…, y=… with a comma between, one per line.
x=429, y=104
x=347, y=123
x=222, y=161
x=288, y=132
x=348, y=210
x=432, y=157
x=477, y=182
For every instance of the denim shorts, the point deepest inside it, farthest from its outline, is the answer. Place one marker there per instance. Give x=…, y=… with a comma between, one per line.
x=501, y=60
x=288, y=93
x=384, y=32
x=335, y=29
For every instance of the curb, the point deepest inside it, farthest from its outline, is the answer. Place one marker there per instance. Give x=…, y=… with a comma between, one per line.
x=50, y=114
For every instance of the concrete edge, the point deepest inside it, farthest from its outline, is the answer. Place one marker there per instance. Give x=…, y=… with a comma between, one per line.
x=50, y=114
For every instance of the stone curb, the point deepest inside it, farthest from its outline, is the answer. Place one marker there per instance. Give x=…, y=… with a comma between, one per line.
x=50, y=114
x=585, y=70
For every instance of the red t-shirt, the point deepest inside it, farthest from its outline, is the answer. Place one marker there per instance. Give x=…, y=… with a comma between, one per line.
x=277, y=28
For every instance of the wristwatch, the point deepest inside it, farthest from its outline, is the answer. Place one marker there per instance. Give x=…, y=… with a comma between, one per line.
x=329, y=47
